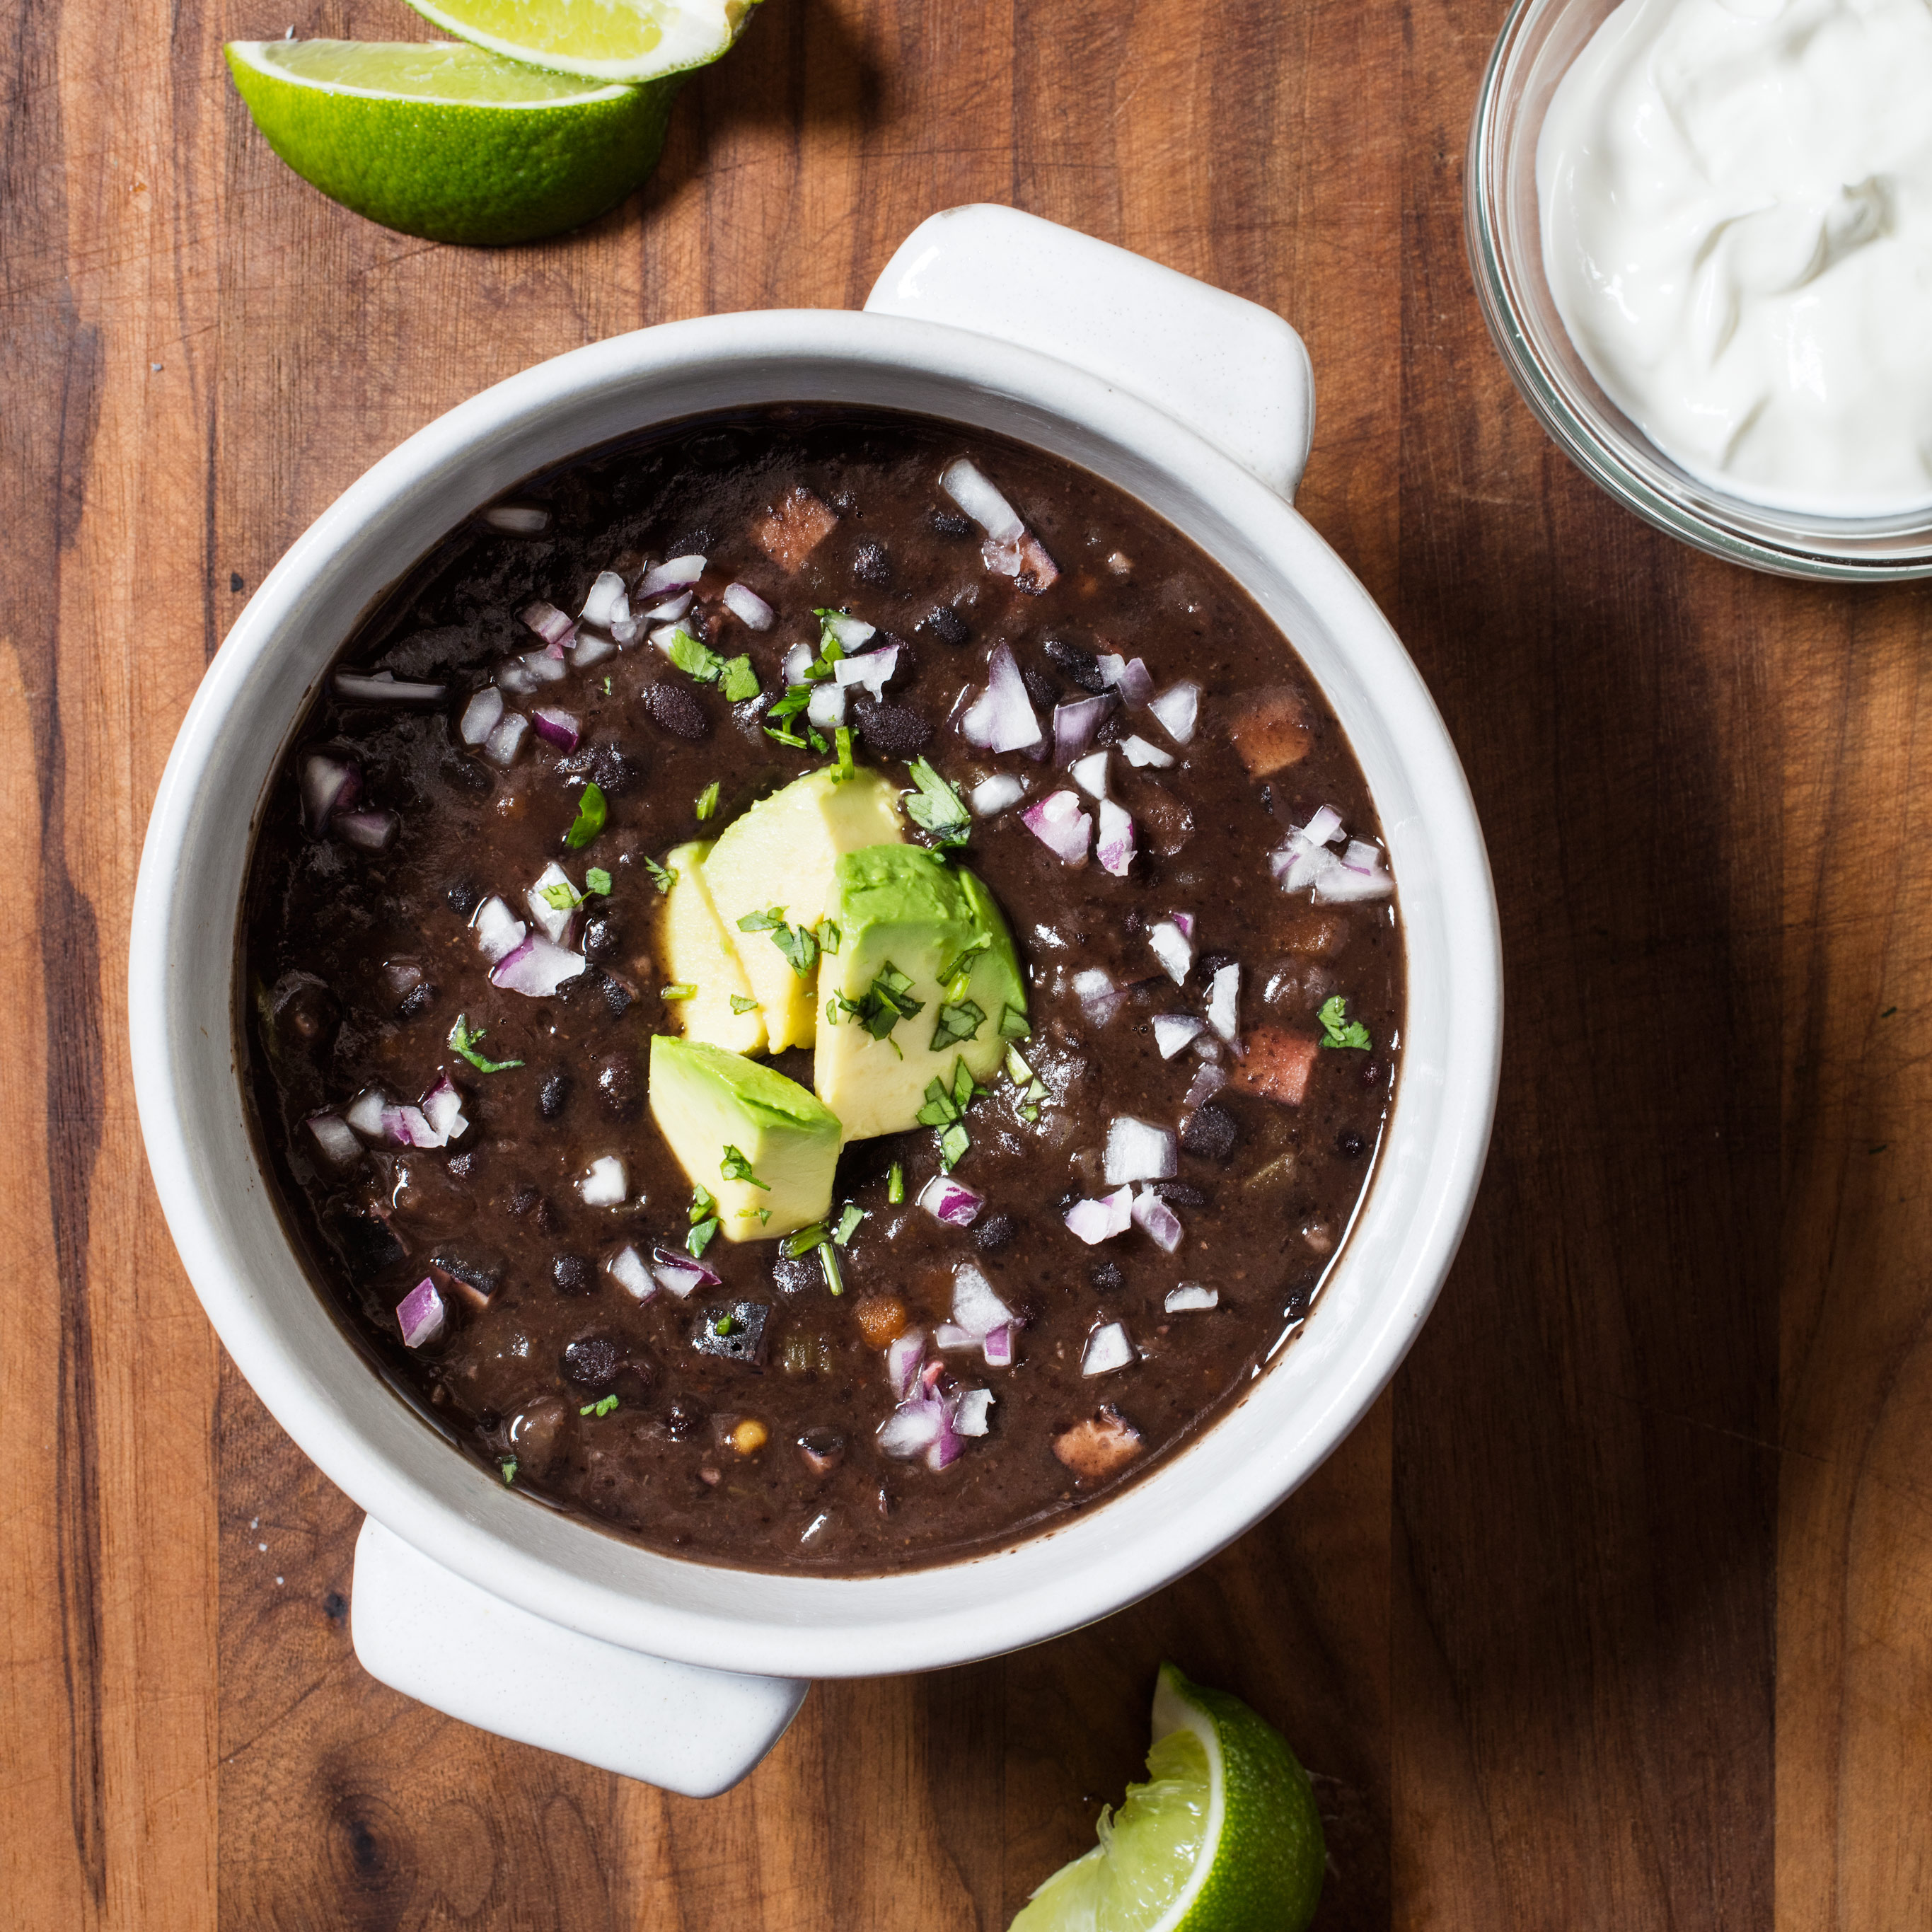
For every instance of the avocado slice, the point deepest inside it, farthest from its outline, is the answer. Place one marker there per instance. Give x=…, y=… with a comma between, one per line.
x=694, y=949
x=903, y=910
x=782, y=854
x=734, y=1123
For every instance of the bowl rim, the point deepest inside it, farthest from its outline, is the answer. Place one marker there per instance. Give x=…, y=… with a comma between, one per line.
x=1606, y=460
x=1099, y=1560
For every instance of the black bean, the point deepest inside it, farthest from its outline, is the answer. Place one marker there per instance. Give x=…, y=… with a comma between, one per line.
x=417, y=1003
x=1107, y=1277
x=674, y=707
x=617, y=995
x=591, y=1361
x=1350, y=1145
x=525, y=1197
x=463, y=1165
x=944, y=625
x=995, y=1232
x=895, y=731
x=617, y=1083
x=1081, y=666
x=948, y=523
x=366, y=1244
x=1372, y=1072
x=1209, y=964
x=870, y=565
x=1211, y=1131
x=683, y=1420
x=553, y=1095
x=1039, y=687
x=462, y=897
x=601, y=938
x=615, y=770
x=1182, y=1193
x=573, y=1274
x=791, y=1274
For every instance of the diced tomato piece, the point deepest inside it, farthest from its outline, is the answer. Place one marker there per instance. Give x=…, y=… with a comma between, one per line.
x=1096, y=1447
x=1271, y=729
x=790, y=531
x=1278, y=1065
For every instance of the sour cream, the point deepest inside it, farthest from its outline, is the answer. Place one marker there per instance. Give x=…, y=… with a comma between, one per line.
x=1736, y=200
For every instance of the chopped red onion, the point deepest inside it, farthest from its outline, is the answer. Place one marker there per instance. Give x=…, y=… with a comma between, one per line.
x=1058, y=822
x=997, y=1347
x=499, y=931
x=903, y=1354
x=1176, y=708
x=442, y=1108
x=604, y=1183
x=536, y=968
x=607, y=602
x=481, y=715
x=329, y=785
x=1358, y=874
x=1207, y=1047
x=365, y=1113
x=871, y=668
x=553, y=921
x=950, y=1335
x=1141, y=754
x=1090, y=773
x=384, y=688
x=1137, y=1150
x=626, y=1268
x=1154, y=1217
x=748, y=607
x=373, y=831
x=969, y=487
x=946, y=1200
x=1114, y=846
x=406, y=1126
x=1323, y=828
x=1074, y=725
x=946, y=1446
x=679, y=1274
x=1190, y=1294
x=993, y=795
x=420, y=1314
x=546, y=666
x=1001, y=718
x=1224, y=996
x=671, y=610
x=913, y=1427
x=548, y=622
x=673, y=574
x=1185, y=922
x=1108, y=1349
x=521, y=520
x=556, y=727
x=1101, y=1220
x=514, y=676
x=1136, y=685
x=1098, y=995
x=628, y=632
x=797, y=662
x=589, y=649
x=1172, y=1031
x=827, y=708
x=1207, y=1080
x=854, y=633
x=976, y=1308
x=1172, y=948
x=338, y=1143
x=969, y=1411
x=503, y=744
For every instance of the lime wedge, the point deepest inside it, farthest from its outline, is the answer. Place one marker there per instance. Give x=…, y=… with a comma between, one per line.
x=1223, y=1838
x=606, y=39
x=449, y=141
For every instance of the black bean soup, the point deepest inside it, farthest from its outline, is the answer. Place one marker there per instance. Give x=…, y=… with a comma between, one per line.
x=1119, y=1195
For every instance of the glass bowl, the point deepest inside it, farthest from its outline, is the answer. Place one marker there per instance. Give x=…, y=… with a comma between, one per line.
x=1538, y=43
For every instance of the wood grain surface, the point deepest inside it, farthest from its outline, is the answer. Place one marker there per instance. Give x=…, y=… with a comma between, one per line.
x=1614, y=1613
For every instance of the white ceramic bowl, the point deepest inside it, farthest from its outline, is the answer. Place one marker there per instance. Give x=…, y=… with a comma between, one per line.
x=487, y=1605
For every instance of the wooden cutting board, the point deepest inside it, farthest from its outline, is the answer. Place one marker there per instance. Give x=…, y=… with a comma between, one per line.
x=1613, y=1613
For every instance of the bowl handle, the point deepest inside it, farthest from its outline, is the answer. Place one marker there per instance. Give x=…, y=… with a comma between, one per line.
x=1234, y=372
x=438, y=1638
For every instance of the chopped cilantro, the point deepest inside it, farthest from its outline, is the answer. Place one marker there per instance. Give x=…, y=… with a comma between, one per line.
x=1017, y=1071
x=707, y=800
x=606, y=687
x=591, y=812
x=830, y=650
x=848, y=1223
x=743, y=1003
x=845, y=768
x=963, y=1088
x=463, y=1040
x=563, y=895
x=957, y=971
x=940, y=1109
x=663, y=879
x=1338, y=1030
x=696, y=660
x=602, y=1407
x=767, y=921
x=885, y=1003
x=735, y=1167
x=724, y=1325
x=828, y=1259
x=795, y=698
x=703, y=1200
x=803, y=1241
x=895, y=1184
x=936, y=807
x=953, y=1143
x=509, y=1471
x=597, y=881
x=741, y=681
x=829, y=938
x=959, y=1020
x=699, y=1239
x=683, y=990
x=1013, y=1023
x=799, y=945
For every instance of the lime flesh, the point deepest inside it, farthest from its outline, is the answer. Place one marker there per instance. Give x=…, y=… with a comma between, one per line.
x=606, y=40
x=451, y=142
x=1223, y=1838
